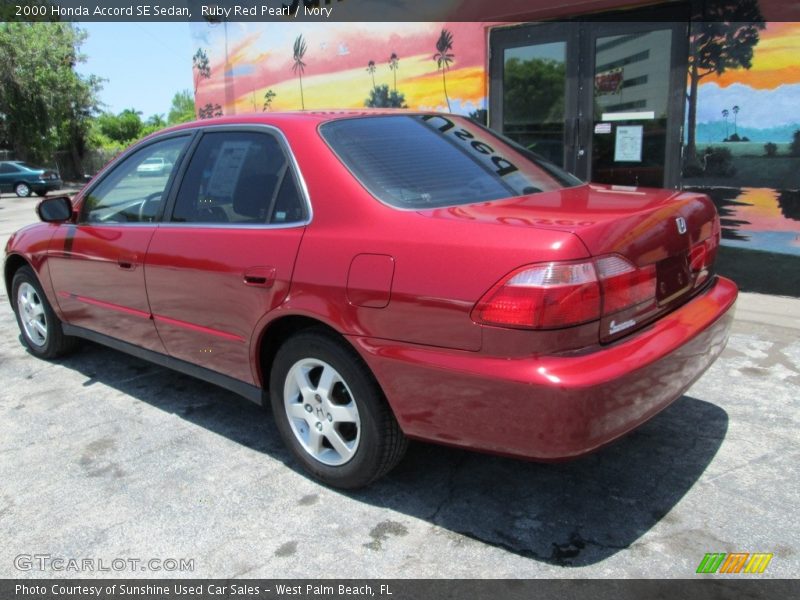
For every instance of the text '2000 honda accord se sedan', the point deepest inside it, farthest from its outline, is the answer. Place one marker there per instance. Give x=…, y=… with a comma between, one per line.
x=380, y=276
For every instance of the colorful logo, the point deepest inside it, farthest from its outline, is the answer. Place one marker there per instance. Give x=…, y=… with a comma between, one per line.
x=736, y=562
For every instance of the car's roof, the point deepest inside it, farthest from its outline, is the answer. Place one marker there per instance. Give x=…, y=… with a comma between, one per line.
x=313, y=117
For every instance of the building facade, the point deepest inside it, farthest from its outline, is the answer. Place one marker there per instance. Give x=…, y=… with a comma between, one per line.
x=699, y=94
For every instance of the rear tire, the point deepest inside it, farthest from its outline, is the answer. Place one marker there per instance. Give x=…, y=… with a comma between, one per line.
x=331, y=413
x=39, y=325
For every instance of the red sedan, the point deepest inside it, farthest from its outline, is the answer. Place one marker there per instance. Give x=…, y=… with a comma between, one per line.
x=379, y=276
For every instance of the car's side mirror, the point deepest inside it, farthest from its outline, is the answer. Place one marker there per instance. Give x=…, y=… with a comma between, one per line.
x=55, y=210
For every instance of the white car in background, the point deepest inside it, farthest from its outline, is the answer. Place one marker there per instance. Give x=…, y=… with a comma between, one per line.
x=153, y=166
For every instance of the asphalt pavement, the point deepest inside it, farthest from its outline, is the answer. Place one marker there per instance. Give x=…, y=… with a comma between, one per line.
x=106, y=457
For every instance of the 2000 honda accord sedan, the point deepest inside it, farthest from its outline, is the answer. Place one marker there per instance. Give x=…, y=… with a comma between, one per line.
x=379, y=276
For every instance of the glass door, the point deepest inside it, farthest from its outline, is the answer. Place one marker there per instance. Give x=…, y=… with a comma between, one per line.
x=633, y=103
x=603, y=100
x=533, y=99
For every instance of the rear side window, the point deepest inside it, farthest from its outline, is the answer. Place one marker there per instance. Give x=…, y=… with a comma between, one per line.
x=239, y=177
x=431, y=161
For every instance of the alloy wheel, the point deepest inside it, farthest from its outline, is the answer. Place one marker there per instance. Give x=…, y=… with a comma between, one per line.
x=322, y=412
x=32, y=315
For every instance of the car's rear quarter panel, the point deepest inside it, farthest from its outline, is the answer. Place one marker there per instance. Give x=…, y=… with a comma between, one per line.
x=442, y=267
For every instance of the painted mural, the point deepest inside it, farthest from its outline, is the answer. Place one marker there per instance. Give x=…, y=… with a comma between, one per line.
x=742, y=135
x=746, y=135
x=439, y=66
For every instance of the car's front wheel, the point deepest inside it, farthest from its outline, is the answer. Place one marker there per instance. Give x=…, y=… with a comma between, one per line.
x=331, y=413
x=39, y=325
x=23, y=190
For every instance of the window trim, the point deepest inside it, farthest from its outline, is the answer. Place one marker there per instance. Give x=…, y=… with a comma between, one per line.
x=165, y=219
x=117, y=163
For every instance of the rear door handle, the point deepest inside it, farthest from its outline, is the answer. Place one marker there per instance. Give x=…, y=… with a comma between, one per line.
x=259, y=276
x=127, y=262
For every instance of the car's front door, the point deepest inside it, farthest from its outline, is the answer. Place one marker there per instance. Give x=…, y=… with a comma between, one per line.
x=97, y=264
x=225, y=257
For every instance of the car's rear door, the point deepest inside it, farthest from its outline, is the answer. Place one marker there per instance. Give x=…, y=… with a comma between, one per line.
x=97, y=264
x=225, y=256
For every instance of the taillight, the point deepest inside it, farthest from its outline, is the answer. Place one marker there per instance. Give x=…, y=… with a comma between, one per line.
x=703, y=254
x=546, y=296
x=562, y=294
x=624, y=285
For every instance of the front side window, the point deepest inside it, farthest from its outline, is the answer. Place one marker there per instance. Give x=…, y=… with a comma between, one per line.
x=134, y=190
x=239, y=177
x=431, y=161
x=8, y=168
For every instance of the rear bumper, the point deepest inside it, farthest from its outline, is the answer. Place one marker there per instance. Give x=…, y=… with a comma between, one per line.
x=552, y=407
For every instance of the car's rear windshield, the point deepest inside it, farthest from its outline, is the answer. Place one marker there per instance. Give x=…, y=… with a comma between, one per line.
x=431, y=161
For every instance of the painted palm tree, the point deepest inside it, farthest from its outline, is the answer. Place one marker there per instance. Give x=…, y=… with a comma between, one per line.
x=201, y=67
x=735, y=110
x=299, y=66
x=444, y=57
x=725, y=114
x=268, y=98
x=371, y=71
x=394, y=64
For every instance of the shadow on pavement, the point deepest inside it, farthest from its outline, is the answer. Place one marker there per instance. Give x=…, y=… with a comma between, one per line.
x=570, y=514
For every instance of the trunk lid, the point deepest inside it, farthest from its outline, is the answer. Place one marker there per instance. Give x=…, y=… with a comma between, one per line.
x=671, y=233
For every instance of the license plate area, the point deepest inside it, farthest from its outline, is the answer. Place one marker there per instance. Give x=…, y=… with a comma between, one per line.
x=672, y=277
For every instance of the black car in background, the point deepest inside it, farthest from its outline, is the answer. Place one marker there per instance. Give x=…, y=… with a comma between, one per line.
x=24, y=179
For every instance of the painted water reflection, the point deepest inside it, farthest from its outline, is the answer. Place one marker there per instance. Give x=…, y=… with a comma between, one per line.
x=758, y=218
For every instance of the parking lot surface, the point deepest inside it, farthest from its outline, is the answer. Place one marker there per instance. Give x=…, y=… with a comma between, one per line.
x=104, y=456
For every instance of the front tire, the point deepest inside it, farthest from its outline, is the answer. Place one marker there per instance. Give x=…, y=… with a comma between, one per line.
x=331, y=413
x=23, y=190
x=39, y=325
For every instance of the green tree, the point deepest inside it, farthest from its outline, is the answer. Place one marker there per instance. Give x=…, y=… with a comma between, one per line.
x=381, y=97
x=394, y=64
x=124, y=127
x=182, y=109
x=155, y=121
x=45, y=106
x=299, y=66
x=723, y=40
x=444, y=57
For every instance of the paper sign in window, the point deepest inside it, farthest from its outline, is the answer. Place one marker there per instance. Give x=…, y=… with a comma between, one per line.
x=628, y=144
x=226, y=169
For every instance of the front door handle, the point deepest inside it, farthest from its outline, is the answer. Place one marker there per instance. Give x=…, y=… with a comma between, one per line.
x=259, y=276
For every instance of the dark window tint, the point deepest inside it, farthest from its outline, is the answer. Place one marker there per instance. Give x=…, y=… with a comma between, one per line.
x=238, y=177
x=424, y=161
x=8, y=168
